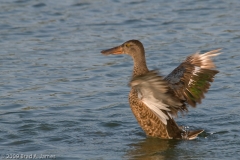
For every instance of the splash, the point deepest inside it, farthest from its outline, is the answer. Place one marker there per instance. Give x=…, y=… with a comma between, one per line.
x=185, y=133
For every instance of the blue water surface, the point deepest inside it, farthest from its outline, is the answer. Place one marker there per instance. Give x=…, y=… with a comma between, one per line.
x=62, y=99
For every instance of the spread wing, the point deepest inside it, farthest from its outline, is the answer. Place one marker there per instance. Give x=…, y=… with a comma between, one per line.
x=191, y=79
x=155, y=93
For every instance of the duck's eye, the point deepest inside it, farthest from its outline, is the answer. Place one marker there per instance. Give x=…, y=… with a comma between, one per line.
x=128, y=45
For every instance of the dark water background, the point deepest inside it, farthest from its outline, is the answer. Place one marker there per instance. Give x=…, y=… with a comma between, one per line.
x=60, y=97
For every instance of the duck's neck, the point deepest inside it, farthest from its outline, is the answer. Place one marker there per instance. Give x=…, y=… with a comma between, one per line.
x=140, y=66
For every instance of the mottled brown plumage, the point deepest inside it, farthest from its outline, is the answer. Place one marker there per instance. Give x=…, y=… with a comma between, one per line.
x=155, y=100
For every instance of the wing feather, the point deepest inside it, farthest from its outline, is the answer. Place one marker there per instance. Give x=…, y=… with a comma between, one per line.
x=191, y=79
x=155, y=94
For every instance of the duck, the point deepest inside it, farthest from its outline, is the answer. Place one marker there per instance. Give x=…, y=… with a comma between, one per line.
x=156, y=100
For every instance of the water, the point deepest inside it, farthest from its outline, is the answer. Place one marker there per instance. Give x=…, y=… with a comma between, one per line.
x=62, y=99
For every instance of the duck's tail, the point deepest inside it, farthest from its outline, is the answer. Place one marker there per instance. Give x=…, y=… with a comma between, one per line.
x=193, y=134
x=190, y=135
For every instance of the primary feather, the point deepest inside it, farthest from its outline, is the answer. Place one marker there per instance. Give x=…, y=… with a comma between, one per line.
x=191, y=79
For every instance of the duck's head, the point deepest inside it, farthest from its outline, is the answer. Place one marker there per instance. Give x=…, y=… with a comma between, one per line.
x=131, y=47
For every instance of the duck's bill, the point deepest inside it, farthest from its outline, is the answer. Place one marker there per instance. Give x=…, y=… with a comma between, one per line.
x=115, y=50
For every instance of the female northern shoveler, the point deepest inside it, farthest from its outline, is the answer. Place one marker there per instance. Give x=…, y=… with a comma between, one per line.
x=155, y=100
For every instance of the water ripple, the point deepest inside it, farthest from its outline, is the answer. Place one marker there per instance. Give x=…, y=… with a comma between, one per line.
x=60, y=96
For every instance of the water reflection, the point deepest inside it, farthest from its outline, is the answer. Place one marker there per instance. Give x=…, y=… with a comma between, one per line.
x=151, y=149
